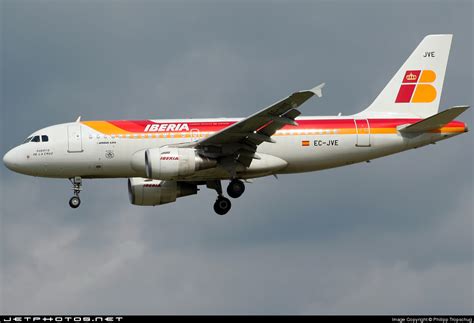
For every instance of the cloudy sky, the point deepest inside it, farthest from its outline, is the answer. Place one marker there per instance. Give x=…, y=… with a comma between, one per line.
x=392, y=236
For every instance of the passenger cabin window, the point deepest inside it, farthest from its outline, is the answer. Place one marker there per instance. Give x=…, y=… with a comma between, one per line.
x=35, y=139
x=44, y=138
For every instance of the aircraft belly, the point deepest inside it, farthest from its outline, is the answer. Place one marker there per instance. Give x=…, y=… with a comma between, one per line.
x=315, y=152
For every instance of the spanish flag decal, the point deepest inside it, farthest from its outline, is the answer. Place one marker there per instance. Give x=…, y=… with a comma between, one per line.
x=305, y=143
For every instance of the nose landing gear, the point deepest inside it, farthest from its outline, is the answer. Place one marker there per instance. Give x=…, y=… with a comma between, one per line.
x=75, y=201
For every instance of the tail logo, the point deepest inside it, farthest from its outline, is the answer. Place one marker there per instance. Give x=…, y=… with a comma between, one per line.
x=416, y=87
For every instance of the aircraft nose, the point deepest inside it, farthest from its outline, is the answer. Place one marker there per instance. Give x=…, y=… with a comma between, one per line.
x=12, y=159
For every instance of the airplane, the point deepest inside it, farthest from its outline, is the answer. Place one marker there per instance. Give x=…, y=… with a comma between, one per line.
x=168, y=159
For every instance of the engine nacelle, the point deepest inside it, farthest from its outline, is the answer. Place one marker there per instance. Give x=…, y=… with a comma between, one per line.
x=169, y=163
x=142, y=191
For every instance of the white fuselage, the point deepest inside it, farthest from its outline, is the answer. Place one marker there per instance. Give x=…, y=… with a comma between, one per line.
x=78, y=149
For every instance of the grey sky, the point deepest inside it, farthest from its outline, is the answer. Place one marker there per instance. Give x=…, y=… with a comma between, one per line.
x=392, y=236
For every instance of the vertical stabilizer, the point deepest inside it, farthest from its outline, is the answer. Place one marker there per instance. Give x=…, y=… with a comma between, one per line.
x=415, y=90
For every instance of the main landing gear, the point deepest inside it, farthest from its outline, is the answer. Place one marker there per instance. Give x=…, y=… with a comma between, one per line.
x=222, y=205
x=75, y=201
x=235, y=189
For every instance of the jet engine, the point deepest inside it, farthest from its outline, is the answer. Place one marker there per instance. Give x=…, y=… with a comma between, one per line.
x=168, y=163
x=142, y=191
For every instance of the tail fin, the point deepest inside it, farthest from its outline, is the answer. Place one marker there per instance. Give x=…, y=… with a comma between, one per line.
x=416, y=88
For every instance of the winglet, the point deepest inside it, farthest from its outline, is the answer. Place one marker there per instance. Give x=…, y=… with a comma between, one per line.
x=318, y=90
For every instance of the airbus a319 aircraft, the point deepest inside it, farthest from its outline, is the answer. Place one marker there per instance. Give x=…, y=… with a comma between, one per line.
x=167, y=159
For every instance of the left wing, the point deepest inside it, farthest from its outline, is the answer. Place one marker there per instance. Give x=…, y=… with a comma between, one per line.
x=238, y=142
x=236, y=145
x=261, y=125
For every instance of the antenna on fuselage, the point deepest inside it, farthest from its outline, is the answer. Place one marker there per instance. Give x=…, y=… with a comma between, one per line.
x=78, y=119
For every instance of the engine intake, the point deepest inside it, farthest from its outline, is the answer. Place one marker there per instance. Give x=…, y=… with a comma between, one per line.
x=173, y=163
x=142, y=191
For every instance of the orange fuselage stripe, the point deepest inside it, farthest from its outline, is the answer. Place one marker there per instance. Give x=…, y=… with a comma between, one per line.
x=136, y=129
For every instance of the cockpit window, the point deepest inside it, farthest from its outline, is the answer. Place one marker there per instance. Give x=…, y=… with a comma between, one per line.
x=42, y=138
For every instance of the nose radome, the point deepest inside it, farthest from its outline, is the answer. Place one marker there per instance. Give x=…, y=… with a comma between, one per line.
x=11, y=159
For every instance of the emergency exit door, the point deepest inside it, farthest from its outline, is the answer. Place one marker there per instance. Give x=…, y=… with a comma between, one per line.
x=363, y=132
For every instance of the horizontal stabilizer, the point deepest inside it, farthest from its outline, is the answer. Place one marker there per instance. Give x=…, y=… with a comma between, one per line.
x=435, y=121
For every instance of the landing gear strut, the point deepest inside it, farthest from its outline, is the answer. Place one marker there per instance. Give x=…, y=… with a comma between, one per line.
x=75, y=201
x=236, y=188
x=222, y=204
